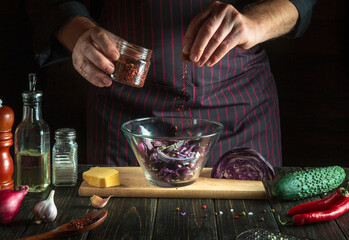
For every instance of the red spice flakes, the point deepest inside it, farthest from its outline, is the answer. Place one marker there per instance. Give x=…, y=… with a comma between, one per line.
x=204, y=207
x=236, y=216
x=131, y=72
x=80, y=223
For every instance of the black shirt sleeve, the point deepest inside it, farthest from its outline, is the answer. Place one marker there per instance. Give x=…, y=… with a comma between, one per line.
x=47, y=17
x=305, y=10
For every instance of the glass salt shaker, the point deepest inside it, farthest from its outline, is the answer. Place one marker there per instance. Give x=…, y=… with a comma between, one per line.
x=65, y=158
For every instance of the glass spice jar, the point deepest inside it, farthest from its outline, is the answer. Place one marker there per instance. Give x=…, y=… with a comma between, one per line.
x=65, y=158
x=133, y=64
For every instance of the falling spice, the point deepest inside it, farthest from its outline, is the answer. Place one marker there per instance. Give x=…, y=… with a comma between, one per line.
x=181, y=95
x=236, y=216
x=173, y=131
x=216, y=213
x=243, y=214
x=273, y=210
x=177, y=209
x=231, y=210
x=250, y=213
x=204, y=207
x=262, y=219
x=220, y=212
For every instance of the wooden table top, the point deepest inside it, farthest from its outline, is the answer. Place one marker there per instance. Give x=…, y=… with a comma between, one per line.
x=164, y=218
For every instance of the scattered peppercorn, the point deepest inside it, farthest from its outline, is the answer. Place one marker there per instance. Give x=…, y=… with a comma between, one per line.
x=38, y=221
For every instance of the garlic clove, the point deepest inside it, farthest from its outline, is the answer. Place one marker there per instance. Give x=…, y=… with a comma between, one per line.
x=99, y=202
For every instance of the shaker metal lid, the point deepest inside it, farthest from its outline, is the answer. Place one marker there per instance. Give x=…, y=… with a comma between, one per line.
x=69, y=133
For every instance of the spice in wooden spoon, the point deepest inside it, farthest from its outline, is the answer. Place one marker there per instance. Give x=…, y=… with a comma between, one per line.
x=75, y=226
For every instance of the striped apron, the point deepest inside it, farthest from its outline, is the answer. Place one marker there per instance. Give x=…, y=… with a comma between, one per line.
x=239, y=91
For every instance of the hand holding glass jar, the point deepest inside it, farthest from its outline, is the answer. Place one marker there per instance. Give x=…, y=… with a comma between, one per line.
x=102, y=57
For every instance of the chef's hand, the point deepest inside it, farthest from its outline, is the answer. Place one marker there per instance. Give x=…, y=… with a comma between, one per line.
x=215, y=31
x=220, y=27
x=93, y=54
x=93, y=49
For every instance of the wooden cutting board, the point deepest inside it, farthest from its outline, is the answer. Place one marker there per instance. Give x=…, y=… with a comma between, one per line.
x=134, y=184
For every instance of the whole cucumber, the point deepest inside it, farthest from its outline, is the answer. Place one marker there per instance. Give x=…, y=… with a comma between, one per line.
x=307, y=183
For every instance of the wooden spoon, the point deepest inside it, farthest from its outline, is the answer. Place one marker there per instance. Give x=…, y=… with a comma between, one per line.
x=67, y=229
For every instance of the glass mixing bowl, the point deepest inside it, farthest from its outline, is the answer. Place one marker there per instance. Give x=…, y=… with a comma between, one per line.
x=172, y=151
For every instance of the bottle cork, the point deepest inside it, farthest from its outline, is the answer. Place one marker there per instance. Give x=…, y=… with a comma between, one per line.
x=6, y=141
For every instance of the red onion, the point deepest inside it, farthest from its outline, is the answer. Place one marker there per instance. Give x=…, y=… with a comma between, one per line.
x=10, y=202
x=243, y=164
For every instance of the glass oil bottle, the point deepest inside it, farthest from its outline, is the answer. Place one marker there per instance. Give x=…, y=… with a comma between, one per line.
x=32, y=143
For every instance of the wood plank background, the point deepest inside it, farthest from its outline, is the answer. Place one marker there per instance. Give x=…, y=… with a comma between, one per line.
x=311, y=75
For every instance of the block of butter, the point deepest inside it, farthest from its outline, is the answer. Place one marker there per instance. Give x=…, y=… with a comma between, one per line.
x=102, y=177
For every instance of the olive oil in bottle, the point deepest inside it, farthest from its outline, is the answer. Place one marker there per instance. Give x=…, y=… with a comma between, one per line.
x=32, y=143
x=34, y=170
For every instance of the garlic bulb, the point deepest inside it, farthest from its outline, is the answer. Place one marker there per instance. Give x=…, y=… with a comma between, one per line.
x=46, y=210
x=99, y=202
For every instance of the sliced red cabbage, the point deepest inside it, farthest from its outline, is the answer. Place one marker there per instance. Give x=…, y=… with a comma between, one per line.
x=172, y=161
x=243, y=164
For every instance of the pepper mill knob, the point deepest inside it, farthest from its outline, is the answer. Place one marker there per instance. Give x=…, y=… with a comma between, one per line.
x=6, y=163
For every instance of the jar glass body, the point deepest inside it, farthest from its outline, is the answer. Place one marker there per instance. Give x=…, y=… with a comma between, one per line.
x=32, y=148
x=64, y=160
x=133, y=64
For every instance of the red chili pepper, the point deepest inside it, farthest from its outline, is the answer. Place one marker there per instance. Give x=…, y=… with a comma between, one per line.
x=318, y=216
x=336, y=199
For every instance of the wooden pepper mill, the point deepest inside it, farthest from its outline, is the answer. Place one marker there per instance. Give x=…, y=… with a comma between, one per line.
x=6, y=162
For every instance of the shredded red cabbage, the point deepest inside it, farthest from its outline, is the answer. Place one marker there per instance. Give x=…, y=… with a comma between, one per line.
x=243, y=164
x=173, y=161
